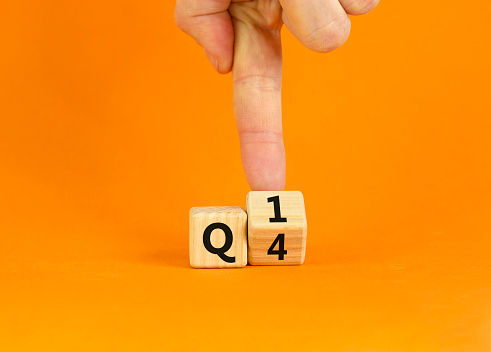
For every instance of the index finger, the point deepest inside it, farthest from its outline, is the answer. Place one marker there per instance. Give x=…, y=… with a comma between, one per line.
x=256, y=71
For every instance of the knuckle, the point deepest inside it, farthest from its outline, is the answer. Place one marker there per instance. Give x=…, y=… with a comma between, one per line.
x=360, y=7
x=262, y=83
x=329, y=36
x=261, y=136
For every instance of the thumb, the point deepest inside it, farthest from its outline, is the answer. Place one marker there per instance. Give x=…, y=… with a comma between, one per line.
x=257, y=103
x=209, y=23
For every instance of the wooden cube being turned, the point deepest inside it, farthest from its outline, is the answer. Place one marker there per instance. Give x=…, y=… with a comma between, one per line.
x=277, y=228
x=218, y=237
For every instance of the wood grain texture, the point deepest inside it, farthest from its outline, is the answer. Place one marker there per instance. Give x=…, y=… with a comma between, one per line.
x=262, y=232
x=200, y=218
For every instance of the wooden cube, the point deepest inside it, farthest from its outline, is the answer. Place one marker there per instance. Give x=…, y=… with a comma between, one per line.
x=218, y=237
x=277, y=228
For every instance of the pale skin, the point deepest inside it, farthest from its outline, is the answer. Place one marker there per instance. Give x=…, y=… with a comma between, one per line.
x=243, y=36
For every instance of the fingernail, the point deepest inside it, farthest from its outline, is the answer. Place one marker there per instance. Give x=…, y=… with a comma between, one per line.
x=213, y=61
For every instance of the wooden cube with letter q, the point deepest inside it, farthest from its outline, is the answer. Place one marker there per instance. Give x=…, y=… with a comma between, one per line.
x=217, y=237
x=277, y=228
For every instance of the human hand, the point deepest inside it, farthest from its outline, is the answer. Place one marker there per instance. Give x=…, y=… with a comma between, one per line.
x=244, y=36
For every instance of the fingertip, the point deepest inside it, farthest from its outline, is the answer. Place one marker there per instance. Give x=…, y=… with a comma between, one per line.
x=263, y=184
x=222, y=66
x=264, y=166
x=267, y=179
x=212, y=59
x=359, y=7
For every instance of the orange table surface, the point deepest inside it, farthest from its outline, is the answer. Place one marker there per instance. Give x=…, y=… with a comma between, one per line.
x=142, y=294
x=113, y=125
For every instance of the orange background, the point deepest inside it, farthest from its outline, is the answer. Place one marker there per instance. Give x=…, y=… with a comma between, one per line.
x=113, y=125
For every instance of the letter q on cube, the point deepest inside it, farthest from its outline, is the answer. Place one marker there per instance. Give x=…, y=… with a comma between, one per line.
x=218, y=237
